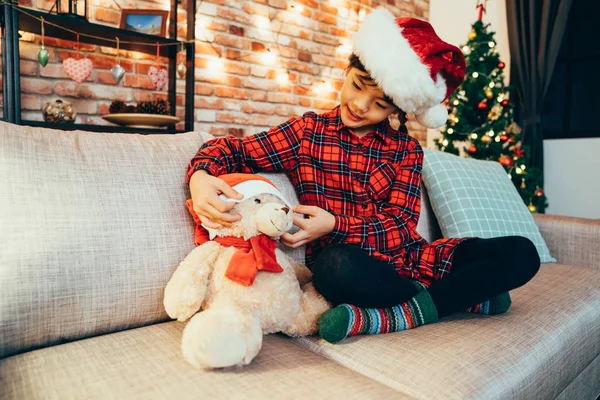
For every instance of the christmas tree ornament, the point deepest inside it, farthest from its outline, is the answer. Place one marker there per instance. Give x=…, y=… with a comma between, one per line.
x=523, y=183
x=505, y=103
x=117, y=71
x=472, y=149
x=181, y=69
x=518, y=152
x=539, y=192
x=501, y=65
x=486, y=139
x=78, y=69
x=504, y=138
x=158, y=76
x=532, y=209
x=481, y=6
x=482, y=105
x=43, y=55
x=472, y=35
x=506, y=161
x=488, y=93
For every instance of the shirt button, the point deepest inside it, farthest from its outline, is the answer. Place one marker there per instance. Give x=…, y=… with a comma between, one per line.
x=364, y=205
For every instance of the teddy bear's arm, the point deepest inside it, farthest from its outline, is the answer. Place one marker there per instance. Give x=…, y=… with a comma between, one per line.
x=185, y=291
x=303, y=274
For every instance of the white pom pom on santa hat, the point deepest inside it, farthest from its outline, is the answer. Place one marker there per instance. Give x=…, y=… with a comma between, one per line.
x=410, y=63
x=251, y=185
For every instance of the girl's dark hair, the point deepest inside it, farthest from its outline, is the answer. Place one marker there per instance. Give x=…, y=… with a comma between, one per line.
x=354, y=62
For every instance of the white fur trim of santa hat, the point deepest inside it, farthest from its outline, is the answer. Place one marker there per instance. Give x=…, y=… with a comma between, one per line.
x=255, y=187
x=398, y=70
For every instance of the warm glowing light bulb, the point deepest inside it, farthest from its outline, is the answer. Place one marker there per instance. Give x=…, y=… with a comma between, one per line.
x=473, y=136
x=215, y=65
x=450, y=131
x=282, y=77
x=455, y=102
x=491, y=44
x=269, y=57
x=445, y=142
x=492, y=84
x=475, y=74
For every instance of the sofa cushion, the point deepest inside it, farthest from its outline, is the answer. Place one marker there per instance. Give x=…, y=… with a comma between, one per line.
x=146, y=363
x=475, y=198
x=549, y=336
x=93, y=225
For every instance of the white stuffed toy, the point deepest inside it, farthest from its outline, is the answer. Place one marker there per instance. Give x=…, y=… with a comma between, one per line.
x=244, y=285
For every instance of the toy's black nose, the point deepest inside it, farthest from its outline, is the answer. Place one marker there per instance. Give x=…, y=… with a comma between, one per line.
x=285, y=209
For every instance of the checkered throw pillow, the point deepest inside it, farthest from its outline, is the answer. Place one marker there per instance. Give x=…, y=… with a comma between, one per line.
x=476, y=198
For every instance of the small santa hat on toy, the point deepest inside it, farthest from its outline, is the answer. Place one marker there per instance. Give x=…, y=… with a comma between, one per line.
x=251, y=185
x=410, y=63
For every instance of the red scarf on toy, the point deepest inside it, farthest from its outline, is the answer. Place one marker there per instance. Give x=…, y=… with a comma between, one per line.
x=253, y=255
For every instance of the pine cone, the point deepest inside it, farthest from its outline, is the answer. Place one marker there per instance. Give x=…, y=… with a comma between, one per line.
x=162, y=107
x=116, y=107
x=145, y=107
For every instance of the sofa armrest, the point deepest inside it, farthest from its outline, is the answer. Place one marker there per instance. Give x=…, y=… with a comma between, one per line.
x=571, y=240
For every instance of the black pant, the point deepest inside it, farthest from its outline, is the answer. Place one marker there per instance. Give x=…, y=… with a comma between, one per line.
x=481, y=270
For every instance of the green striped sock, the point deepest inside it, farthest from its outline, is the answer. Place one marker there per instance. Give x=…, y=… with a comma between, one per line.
x=497, y=305
x=347, y=320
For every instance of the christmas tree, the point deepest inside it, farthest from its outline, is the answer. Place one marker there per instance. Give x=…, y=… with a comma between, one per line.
x=481, y=117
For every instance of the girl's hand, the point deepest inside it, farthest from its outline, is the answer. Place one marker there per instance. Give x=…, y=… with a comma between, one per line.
x=211, y=209
x=319, y=223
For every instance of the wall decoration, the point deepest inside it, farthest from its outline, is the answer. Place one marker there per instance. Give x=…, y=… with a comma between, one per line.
x=150, y=22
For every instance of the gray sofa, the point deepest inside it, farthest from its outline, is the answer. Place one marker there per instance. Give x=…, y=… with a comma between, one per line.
x=93, y=224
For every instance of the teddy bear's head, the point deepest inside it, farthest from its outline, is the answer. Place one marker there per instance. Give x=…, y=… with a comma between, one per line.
x=263, y=209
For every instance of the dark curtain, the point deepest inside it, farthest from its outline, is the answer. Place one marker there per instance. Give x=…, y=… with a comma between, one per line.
x=535, y=31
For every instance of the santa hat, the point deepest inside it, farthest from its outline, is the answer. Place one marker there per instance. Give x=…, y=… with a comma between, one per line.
x=410, y=63
x=251, y=185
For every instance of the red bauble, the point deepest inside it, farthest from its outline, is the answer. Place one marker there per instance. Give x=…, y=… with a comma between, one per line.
x=539, y=192
x=482, y=105
x=501, y=65
x=506, y=161
x=504, y=103
x=472, y=149
x=503, y=138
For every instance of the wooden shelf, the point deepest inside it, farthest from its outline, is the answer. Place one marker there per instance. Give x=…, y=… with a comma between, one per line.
x=99, y=128
x=29, y=24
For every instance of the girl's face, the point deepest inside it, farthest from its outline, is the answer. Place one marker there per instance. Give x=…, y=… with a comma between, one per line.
x=362, y=103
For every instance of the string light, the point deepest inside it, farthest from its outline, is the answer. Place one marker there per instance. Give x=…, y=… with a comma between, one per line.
x=491, y=44
x=450, y=131
x=282, y=77
x=445, y=142
x=475, y=74
x=455, y=102
x=473, y=136
x=269, y=57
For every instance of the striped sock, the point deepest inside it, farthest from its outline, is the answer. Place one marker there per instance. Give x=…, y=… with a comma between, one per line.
x=347, y=320
x=497, y=305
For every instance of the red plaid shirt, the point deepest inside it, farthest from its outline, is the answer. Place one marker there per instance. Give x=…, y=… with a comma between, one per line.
x=372, y=185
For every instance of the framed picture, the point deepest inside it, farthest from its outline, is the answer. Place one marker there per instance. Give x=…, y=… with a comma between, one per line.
x=150, y=22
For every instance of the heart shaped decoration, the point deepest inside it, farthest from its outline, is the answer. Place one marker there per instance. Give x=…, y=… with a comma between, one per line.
x=158, y=77
x=117, y=73
x=78, y=70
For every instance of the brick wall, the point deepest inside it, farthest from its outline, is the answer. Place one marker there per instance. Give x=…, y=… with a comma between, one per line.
x=257, y=62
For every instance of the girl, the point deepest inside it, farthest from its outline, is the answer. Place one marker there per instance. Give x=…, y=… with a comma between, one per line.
x=358, y=181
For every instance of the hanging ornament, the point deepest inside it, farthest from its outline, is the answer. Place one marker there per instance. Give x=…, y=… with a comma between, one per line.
x=523, y=183
x=518, y=152
x=488, y=93
x=501, y=65
x=486, y=139
x=539, y=192
x=495, y=113
x=181, y=69
x=158, y=76
x=506, y=161
x=117, y=71
x=482, y=105
x=504, y=103
x=472, y=149
x=78, y=69
x=504, y=138
x=43, y=55
x=532, y=209
x=472, y=35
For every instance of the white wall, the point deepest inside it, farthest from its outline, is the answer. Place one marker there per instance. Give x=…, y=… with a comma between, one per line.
x=571, y=167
